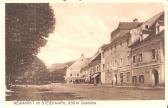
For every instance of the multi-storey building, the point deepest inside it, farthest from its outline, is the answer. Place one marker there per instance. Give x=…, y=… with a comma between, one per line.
x=92, y=71
x=116, y=55
x=147, y=51
x=135, y=55
x=95, y=65
x=73, y=72
x=85, y=74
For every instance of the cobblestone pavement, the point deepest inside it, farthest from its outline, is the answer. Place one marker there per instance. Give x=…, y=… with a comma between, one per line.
x=83, y=91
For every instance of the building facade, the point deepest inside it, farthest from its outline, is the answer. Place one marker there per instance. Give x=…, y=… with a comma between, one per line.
x=95, y=69
x=73, y=72
x=134, y=56
x=85, y=74
x=148, y=54
x=92, y=71
x=116, y=59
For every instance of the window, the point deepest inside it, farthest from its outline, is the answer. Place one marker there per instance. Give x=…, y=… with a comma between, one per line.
x=153, y=54
x=146, y=26
x=127, y=58
x=121, y=78
x=128, y=76
x=120, y=61
x=121, y=43
x=134, y=80
x=157, y=28
x=140, y=57
x=107, y=65
x=133, y=59
x=141, y=79
x=115, y=62
x=103, y=66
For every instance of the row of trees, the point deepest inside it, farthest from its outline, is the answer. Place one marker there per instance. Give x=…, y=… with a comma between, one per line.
x=27, y=25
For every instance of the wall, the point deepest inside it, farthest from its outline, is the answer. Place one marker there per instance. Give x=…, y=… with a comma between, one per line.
x=149, y=65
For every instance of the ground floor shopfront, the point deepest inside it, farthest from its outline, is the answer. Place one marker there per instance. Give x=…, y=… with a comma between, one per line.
x=96, y=78
x=117, y=76
x=144, y=75
x=149, y=75
x=75, y=80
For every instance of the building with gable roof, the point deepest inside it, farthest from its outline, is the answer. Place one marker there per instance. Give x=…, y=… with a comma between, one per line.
x=92, y=71
x=116, y=56
x=73, y=72
x=147, y=52
x=134, y=56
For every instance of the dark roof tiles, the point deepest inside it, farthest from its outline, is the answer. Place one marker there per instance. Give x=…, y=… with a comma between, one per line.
x=128, y=25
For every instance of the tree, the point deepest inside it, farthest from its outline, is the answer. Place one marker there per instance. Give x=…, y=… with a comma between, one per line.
x=27, y=25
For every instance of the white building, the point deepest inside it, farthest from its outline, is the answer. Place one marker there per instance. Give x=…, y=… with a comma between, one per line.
x=73, y=72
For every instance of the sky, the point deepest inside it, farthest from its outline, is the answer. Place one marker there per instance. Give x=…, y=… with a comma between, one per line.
x=81, y=28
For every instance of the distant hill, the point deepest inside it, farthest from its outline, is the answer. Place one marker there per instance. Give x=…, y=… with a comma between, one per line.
x=58, y=71
x=58, y=66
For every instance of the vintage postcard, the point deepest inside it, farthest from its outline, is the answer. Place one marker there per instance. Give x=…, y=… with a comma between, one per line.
x=81, y=53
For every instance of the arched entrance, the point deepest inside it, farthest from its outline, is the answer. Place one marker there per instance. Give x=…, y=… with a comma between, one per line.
x=155, y=77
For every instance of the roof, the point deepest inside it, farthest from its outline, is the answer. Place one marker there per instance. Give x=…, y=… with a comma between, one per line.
x=128, y=25
x=97, y=55
x=84, y=68
x=124, y=28
x=105, y=46
x=150, y=37
x=150, y=22
x=77, y=65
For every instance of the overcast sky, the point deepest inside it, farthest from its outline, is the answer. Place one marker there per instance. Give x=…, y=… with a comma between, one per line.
x=83, y=27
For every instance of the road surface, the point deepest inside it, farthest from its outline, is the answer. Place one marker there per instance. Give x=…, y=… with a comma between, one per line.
x=82, y=91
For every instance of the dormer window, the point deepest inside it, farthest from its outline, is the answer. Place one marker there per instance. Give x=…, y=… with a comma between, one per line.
x=146, y=27
x=159, y=27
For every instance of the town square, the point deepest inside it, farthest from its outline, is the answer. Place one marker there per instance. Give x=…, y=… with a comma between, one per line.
x=84, y=51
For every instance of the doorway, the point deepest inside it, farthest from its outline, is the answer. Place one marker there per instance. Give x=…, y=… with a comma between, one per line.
x=156, y=77
x=115, y=79
x=134, y=80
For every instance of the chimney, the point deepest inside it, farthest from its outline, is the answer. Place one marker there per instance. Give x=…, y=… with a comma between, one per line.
x=135, y=20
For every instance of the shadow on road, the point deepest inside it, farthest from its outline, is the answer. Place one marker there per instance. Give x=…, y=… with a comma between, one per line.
x=37, y=94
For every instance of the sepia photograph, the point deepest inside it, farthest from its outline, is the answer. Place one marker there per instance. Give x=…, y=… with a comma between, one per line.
x=84, y=51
